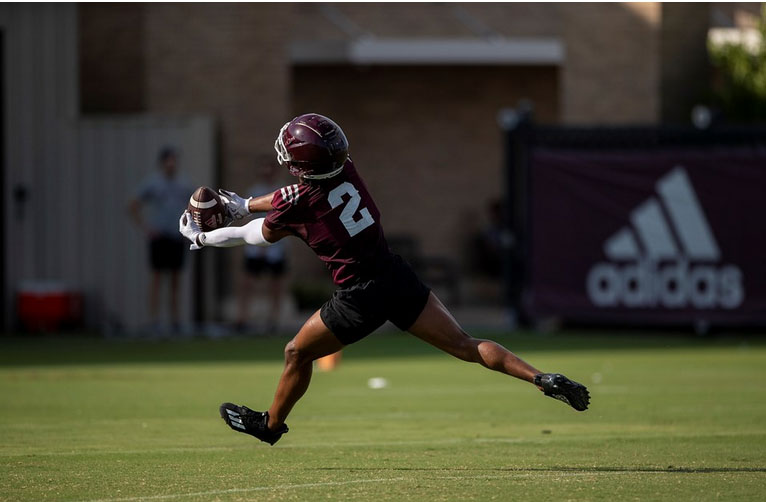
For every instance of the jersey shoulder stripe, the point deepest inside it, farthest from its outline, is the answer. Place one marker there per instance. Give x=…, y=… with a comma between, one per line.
x=290, y=194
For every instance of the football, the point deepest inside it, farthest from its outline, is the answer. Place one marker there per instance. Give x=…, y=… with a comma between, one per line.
x=207, y=209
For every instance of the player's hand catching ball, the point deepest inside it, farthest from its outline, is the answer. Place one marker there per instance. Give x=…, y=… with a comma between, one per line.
x=189, y=229
x=236, y=206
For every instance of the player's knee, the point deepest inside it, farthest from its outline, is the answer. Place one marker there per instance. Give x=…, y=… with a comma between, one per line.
x=466, y=348
x=293, y=355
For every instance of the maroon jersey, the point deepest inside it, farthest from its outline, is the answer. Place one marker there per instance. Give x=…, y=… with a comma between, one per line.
x=339, y=221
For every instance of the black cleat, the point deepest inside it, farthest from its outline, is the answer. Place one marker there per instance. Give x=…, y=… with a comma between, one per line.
x=243, y=419
x=565, y=390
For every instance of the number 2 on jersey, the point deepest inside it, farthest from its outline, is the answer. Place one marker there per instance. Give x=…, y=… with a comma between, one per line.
x=347, y=216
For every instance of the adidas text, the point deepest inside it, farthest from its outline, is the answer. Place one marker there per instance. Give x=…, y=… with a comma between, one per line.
x=673, y=285
x=667, y=256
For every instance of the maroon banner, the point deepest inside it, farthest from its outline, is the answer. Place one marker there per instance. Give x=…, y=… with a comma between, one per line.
x=649, y=237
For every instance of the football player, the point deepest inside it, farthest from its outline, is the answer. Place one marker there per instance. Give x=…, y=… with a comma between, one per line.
x=332, y=211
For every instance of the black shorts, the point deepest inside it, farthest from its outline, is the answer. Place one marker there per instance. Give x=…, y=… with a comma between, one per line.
x=396, y=295
x=259, y=266
x=166, y=253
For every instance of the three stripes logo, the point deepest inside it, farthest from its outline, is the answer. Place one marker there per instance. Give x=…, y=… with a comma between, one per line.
x=290, y=194
x=667, y=257
x=234, y=419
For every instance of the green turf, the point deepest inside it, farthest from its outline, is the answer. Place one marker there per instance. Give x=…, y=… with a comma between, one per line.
x=672, y=418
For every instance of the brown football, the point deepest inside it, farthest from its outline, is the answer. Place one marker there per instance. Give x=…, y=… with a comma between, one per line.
x=207, y=209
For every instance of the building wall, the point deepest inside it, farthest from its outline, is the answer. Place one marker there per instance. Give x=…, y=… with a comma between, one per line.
x=112, y=60
x=115, y=155
x=232, y=61
x=612, y=69
x=428, y=144
x=685, y=66
x=72, y=230
x=226, y=60
x=40, y=108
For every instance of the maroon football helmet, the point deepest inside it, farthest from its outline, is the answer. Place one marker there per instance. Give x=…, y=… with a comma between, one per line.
x=312, y=147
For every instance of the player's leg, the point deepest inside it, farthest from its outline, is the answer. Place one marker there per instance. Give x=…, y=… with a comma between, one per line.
x=436, y=326
x=314, y=340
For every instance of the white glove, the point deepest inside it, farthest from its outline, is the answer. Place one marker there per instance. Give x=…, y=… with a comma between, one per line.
x=236, y=206
x=189, y=229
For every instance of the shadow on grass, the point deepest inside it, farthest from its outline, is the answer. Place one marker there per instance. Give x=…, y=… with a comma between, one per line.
x=567, y=469
x=35, y=350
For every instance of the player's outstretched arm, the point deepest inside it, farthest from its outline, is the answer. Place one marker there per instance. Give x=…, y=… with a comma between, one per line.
x=254, y=233
x=226, y=237
x=260, y=204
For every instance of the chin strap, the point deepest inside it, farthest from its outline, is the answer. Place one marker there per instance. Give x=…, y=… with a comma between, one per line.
x=323, y=176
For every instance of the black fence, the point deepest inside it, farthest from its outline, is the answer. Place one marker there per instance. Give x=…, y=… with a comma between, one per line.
x=635, y=225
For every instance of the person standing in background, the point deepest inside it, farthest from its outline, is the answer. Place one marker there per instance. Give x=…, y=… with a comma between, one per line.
x=261, y=262
x=163, y=194
x=271, y=261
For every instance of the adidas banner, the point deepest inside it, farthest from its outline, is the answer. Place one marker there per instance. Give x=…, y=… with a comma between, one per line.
x=655, y=237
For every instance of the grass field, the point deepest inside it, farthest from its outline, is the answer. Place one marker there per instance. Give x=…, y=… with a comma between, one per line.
x=672, y=418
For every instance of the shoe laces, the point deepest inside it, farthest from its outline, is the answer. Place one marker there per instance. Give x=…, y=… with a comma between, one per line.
x=254, y=420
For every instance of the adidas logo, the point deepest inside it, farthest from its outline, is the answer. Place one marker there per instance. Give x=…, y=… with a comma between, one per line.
x=290, y=194
x=235, y=420
x=667, y=257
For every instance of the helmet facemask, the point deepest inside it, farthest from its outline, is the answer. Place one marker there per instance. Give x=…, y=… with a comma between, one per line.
x=283, y=156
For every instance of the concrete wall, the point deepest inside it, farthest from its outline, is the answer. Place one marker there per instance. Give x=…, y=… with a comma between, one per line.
x=40, y=104
x=78, y=175
x=114, y=155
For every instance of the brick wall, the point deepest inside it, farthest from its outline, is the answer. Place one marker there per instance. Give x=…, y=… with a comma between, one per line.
x=428, y=144
x=685, y=66
x=112, y=65
x=612, y=69
x=436, y=125
x=231, y=60
x=226, y=60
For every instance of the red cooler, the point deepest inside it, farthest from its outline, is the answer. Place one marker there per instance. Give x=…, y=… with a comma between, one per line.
x=47, y=306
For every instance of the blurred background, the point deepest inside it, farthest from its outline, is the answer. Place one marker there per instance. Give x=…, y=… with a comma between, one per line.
x=538, y=163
